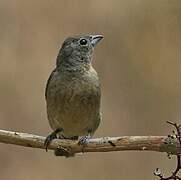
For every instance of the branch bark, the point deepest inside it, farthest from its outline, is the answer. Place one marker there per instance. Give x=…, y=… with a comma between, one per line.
x=105, y=144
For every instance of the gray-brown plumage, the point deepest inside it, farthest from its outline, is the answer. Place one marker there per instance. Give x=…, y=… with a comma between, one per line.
x=73, y=91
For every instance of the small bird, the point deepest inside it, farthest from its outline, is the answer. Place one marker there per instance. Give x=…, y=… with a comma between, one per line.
x=73, y=92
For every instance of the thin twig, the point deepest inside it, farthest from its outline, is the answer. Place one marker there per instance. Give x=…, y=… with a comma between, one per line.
x=174, y=174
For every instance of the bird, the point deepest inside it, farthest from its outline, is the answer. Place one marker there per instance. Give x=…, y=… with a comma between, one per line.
x=73, y=92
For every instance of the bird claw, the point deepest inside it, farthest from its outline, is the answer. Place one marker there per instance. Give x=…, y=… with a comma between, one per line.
x=51, y=137
x=48, y=140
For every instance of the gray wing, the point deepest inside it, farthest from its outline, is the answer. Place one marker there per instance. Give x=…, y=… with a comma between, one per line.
x=48, y=81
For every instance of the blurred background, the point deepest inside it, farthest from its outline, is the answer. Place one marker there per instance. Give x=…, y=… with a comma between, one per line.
x=139, y=64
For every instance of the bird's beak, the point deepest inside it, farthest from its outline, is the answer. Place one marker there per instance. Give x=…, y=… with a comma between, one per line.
x=95, y=39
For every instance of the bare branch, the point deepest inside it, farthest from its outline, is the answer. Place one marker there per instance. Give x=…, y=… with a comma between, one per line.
x=104, y=144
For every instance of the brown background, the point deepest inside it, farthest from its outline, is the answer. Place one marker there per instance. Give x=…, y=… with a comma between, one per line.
x=139, y=63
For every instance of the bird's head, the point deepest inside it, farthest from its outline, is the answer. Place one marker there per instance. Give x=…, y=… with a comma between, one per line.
x=78, y=50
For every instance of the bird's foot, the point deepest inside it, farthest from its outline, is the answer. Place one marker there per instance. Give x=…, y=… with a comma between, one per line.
x=50, y=137
x=84, y=140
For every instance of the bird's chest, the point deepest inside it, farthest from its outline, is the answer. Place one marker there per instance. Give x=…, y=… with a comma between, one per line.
x=75, y=94
x=78, y=93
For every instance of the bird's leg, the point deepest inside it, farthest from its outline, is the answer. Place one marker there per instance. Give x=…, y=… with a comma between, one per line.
x=51, y=136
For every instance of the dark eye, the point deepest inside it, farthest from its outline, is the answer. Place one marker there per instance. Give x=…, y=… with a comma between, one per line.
x=83, y=42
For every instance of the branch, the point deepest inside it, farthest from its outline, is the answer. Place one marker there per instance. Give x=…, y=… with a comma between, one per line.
x=104, y=144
